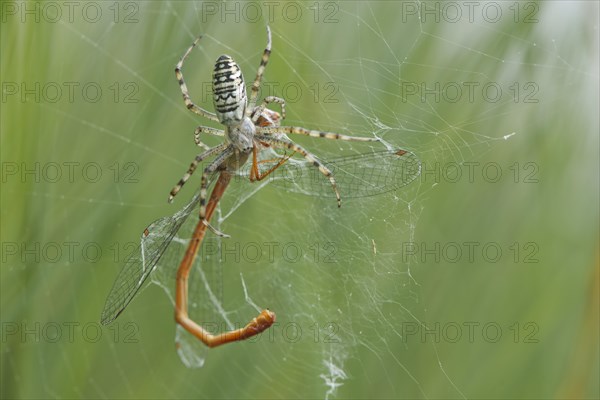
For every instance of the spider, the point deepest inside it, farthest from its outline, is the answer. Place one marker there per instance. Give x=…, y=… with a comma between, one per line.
x=247, y=129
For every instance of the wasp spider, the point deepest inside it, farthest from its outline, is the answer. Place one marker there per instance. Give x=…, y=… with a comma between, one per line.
x=248, y=128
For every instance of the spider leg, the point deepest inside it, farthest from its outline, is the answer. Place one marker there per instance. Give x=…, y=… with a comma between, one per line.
x=215, y=230
x=212, y=167
x=258, y=111
x=259, y=73
x=205, y=129
x=257, y=325
x=296, y=130
x=193, y=167
x=286, y=144
x=184, y=90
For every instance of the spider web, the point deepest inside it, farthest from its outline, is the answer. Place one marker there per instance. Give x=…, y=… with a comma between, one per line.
x=364, y=292
x=336, y=278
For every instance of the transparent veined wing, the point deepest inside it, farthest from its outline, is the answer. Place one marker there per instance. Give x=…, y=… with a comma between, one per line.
x=140, y=264
x=360, y=175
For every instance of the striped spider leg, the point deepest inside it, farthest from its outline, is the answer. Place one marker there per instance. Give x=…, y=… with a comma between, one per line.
x=271, y=135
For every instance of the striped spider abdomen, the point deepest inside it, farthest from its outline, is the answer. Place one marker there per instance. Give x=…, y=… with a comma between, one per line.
x=229, y=91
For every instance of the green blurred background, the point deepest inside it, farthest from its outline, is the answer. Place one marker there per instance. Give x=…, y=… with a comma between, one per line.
x=398, y=314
